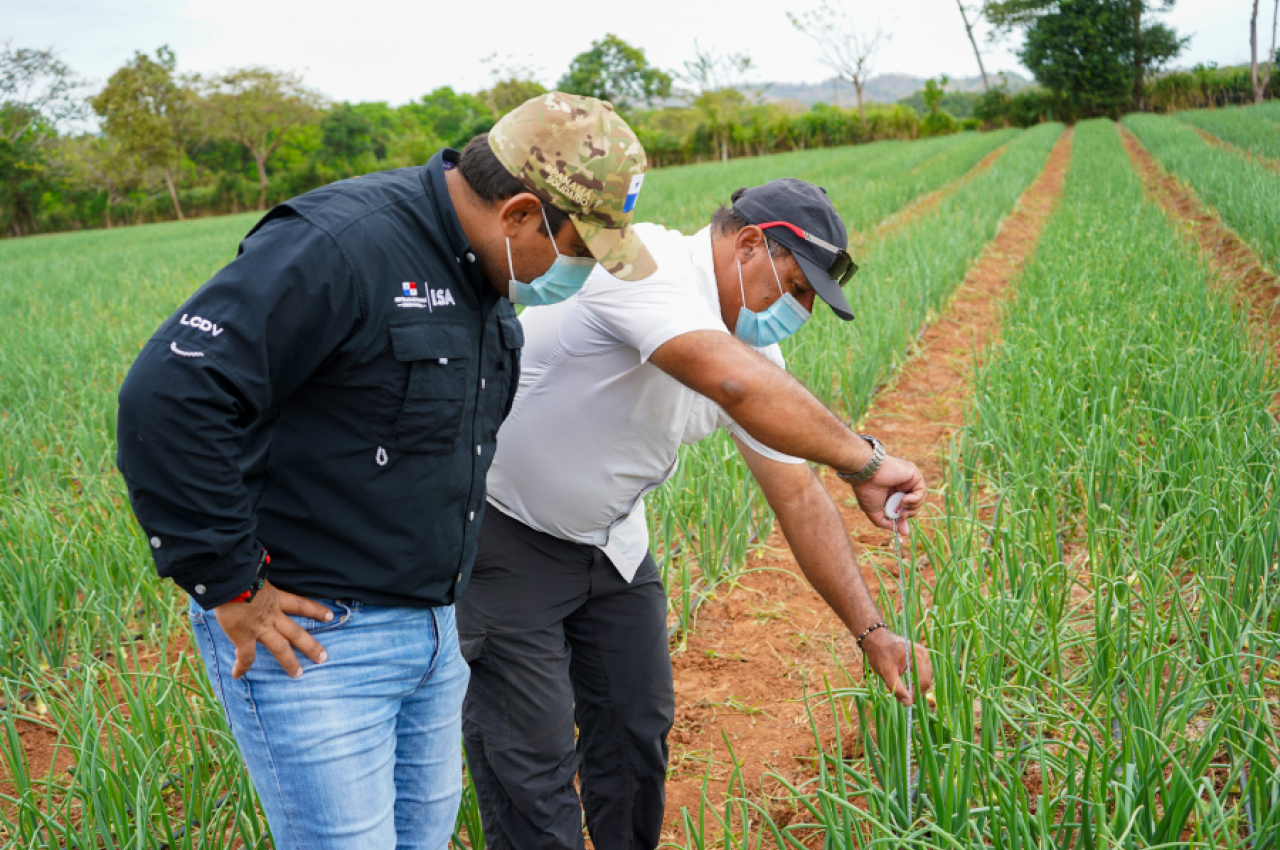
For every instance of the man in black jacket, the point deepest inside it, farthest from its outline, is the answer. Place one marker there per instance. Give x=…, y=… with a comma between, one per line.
x=324, y=410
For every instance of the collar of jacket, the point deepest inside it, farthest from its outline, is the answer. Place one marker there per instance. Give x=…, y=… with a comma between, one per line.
x=447, y=216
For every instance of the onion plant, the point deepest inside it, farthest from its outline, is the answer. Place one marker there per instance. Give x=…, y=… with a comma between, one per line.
x=1244, y=192
x=1244, y=128
x=1103, y=622
x=866, y=182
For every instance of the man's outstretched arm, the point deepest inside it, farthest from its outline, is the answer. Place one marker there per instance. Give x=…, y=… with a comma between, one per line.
x=774, y=408
x=813, y=528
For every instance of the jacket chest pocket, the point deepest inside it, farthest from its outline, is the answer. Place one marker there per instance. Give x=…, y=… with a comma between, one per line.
x=435, y=399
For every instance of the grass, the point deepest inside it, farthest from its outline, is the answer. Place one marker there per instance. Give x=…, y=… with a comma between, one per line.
x=1244, y=128
x=1245, y=193
x=1105, y=616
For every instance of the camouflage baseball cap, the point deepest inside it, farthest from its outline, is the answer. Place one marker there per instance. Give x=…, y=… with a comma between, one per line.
x=578, y=155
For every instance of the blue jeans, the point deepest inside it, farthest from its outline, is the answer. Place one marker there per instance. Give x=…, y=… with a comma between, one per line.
x=365, y=750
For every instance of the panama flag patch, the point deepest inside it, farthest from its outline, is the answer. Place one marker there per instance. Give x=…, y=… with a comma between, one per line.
x=633, y=192
x=410, y=289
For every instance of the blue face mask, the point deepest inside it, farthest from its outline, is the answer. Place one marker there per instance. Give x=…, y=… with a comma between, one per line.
x=565, y=277
x=783, y=318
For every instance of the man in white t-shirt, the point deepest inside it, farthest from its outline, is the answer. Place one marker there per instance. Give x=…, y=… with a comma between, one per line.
x=564, y=618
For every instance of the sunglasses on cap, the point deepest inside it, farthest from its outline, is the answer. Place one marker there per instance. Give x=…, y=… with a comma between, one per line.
x=842, y=267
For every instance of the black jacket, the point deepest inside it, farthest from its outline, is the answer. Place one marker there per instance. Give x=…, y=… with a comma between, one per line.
x=333, y=395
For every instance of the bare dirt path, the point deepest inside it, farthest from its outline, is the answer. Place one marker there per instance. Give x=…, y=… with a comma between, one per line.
x=756, y=653
x=1255, y=286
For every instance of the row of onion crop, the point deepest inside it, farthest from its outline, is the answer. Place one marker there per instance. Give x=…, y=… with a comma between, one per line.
x=1244, y=127
x=866, y=183
x=1104, y=617
x=1244, y=191
x=93, y=653
x=711, y=509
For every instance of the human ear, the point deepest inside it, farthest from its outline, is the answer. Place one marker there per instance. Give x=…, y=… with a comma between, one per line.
x=518, y=213
x=747, y=241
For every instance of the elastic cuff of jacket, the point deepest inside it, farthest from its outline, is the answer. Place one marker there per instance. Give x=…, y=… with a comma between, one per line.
x=223, y=580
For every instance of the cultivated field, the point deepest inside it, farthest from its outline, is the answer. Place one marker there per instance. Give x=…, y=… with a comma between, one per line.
x=1043, y=326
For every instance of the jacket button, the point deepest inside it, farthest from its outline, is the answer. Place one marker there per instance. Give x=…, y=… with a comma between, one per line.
x=459, y=578
x=471, y=517
x=199, y=588
x=477, y=450
x=155, y=542
x=482, y=383
x=471, y=258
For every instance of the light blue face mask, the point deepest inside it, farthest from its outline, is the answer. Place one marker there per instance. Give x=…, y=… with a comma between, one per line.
x=783, y=318
x=565, y=277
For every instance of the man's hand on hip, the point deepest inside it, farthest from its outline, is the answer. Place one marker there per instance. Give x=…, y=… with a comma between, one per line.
x=265, y=621
x=894, y=475
x=886, y=654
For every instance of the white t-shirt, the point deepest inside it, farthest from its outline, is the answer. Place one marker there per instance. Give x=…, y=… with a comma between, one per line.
x=595, y=425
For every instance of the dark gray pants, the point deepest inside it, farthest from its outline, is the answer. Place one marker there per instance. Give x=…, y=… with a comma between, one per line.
x=555, y=637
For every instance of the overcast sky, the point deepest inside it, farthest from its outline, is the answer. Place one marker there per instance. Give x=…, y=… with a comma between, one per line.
x=395, y=51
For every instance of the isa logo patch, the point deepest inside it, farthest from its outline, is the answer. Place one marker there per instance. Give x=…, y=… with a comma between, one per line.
x=633, y=192
x=410, y=289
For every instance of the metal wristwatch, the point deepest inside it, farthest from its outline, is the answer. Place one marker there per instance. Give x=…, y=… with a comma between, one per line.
x=867, y=472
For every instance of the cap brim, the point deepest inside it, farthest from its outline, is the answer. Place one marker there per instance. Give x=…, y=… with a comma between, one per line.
x=828, y=290
x=618, y=249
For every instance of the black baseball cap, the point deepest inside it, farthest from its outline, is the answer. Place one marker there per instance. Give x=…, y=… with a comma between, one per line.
x=801, y=217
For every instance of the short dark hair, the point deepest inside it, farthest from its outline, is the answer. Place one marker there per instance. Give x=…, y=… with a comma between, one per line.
x=726, y=222
x=491, y=180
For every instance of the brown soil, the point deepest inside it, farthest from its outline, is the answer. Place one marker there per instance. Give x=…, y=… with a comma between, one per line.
x=756, y=654
x=1255, y=287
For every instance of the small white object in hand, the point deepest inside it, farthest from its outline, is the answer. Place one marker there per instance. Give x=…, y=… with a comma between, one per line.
x=893, y=507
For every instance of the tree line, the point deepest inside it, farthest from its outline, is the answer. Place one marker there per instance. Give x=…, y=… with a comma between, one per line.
x=171, y=145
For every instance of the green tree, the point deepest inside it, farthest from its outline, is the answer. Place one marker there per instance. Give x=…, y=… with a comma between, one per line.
x=1089, y=47
x=937, y=121
x=37, y=92
x=101, y=163
x=440, y=117
x=346, y=139
x=716, y=82
x=261, y=109
x=615, y=71
x=505, y=95
x=151, y=111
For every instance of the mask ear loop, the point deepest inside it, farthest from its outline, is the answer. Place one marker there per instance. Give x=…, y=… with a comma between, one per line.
x=742, y=289
x=555, y=247
x=769, y=254
x=510, y=265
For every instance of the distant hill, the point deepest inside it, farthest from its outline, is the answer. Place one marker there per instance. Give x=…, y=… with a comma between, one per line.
x=885, y=88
